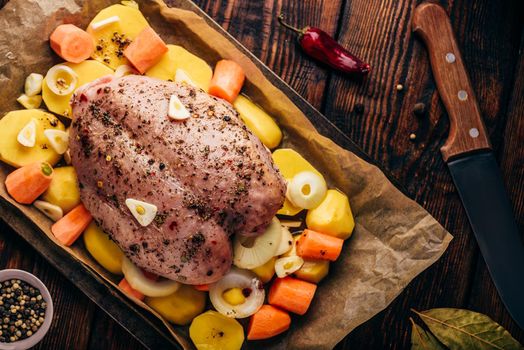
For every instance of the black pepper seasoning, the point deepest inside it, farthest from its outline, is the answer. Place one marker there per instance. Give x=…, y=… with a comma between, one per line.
x=22, y=310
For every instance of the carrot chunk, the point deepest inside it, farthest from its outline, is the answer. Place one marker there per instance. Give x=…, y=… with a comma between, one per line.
x=292, y=294
x=146, y=50
x=315, y=245
x=202, y=287
x=227, y=80
x=72, y=43
x=127, y=289
x=71, y=226
x=267, y=322
x=25, y=184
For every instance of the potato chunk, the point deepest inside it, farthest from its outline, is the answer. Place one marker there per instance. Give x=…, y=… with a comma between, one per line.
x=333, y=216
x=258, y=121
x=86, y=72
x=103, y=249
x=181, y=306
x=111, y=40
x=64, y=190
x=179, y=58
x=12, y=152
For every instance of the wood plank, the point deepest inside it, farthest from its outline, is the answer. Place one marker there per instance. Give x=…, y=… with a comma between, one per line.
x=255, y=25
x=380, y=32
x=484, y=295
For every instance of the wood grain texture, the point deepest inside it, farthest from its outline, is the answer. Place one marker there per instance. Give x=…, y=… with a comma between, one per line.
x=467, y=132
x=512, y=163
x=255, y=25
x=489, y=34
x=383, y=28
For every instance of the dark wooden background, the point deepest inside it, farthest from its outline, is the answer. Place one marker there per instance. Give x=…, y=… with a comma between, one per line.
x=490, y=34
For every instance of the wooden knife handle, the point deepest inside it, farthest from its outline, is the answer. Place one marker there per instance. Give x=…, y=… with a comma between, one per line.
x=467, y=132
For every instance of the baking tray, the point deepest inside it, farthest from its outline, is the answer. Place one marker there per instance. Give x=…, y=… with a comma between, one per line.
x=146, y=328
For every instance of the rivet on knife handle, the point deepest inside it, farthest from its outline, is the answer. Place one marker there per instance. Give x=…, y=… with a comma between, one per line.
x=467, y=132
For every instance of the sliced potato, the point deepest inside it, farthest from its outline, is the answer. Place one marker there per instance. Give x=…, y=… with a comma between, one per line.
x=86, y=71
x=12, y=152
x=179, y=58
x=258, y=121
x=180, y=307
x=106, y=252
x=109, y=46
x=64, y=190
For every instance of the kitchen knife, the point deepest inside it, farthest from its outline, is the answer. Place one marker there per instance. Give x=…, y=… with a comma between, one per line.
x=471, y=162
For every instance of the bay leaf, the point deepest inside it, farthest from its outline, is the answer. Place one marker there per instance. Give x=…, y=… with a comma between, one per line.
x=423, y=340
x=464, y=329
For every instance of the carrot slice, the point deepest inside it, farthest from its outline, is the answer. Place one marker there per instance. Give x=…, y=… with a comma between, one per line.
x=71, y=226
x=202, y=287
x=127, y=289
x=292, y=294
x=227, y=80
x=315, y=245
x=72, y=43
x=267, y=322
x=146, y=50
x=25, y=184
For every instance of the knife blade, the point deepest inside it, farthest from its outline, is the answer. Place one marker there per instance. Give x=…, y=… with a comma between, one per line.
x=472, y=164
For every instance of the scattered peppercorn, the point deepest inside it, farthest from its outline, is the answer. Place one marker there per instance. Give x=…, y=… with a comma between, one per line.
x=419, y=109
x=400, y=87
x=412, y=137
x=22, y=310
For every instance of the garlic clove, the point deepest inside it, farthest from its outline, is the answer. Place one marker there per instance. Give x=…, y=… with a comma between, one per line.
x=105, y=22
x=143, y=212
x=58, y=139
x=33, y=84
x=181, y=76
x=54, y=212
x=124, y=70
x=27, y=136
x=287, y=265
x=177, y=110
x=30, y=102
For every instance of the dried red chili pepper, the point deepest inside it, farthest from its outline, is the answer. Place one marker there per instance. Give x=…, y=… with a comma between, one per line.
x=321, y=46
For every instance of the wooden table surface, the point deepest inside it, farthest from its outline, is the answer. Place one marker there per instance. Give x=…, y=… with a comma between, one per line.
x=490, y=34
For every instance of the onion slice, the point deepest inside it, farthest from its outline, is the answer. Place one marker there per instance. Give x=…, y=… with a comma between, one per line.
x=306, y=190
x=61, y=80
x=136, y=279
x=249, y=253
x=124, y=70
x=286, y=242
x=251, y=287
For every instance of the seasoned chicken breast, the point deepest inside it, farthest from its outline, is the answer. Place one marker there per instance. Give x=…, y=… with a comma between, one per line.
x=208, y=175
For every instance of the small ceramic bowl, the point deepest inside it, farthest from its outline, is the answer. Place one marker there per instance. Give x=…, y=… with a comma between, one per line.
x=35, y=282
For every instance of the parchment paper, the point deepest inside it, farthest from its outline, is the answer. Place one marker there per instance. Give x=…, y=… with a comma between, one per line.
x=394, y=239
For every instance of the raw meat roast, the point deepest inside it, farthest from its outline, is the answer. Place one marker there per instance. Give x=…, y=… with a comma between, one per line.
x=208, y=175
